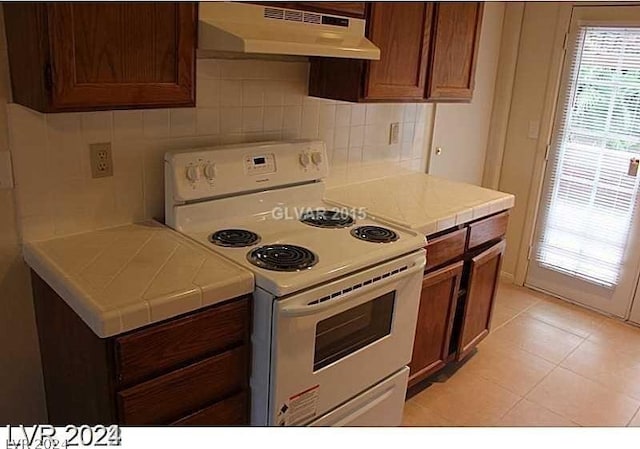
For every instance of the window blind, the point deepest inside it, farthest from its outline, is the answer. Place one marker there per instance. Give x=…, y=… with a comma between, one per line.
x=590, y=199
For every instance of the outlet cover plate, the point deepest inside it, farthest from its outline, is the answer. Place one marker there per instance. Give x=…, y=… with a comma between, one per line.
x=101, y=160
x=6, y=171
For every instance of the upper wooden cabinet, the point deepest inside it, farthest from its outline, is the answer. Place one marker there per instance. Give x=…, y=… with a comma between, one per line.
x=428, y=53
x=91, y=56
x=399, y=30
x=456, y=33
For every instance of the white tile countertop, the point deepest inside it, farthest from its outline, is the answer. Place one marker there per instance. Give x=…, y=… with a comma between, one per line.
x=424, y=203
x=122, y=278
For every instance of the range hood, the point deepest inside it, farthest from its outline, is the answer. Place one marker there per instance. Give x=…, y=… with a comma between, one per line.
x=246, y=28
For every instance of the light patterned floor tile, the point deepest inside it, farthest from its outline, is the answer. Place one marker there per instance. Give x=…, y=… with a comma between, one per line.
x=468, y=400
x=617, y=370
x=418, y=416
x=565, y=316
x=508, y=366
x=584, y=401
x=538, y=338
x=530, y=414
x=635, y=422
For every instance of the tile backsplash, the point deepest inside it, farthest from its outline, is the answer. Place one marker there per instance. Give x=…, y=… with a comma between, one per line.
x=237, y=101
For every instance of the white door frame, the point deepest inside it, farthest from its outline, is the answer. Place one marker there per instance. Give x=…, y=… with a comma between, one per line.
x=547, y=119
x=557, y=80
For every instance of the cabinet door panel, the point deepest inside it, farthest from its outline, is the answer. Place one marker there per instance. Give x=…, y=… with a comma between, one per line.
x=402, y=30
x=481, y=294
x=114, y=54
x=454, y=50
x=435, y=320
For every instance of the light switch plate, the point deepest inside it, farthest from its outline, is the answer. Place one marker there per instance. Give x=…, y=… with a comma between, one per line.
x=394, y=133
x=6, y=170
x=534, y=129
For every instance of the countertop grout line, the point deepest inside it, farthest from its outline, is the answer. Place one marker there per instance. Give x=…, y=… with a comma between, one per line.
x=125, y=265
x=155, y=275
x=112, y=242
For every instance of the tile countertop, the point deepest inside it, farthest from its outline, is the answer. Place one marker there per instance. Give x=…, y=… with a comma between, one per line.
x=424, y=203
x=122, y=278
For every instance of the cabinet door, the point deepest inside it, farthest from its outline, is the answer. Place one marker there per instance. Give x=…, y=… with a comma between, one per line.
x=435, y=321
x=402, y=30
x=481, y=295
x=454, y=51
x=117, y=54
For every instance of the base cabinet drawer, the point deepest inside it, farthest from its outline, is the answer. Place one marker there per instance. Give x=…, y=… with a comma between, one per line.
x=184, y=391
x=446, y=248
x=487, y=230
x=161, y=347
x=233, y=411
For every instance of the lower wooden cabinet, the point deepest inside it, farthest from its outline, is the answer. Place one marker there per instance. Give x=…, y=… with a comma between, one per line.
x=481, y=295
x=458, y=294
x=188, y=370
x=438, y=301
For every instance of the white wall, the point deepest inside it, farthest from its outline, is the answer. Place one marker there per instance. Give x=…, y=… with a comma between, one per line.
x=21, y=389
x=537, y=43
x=462, y=130
x=237, y=101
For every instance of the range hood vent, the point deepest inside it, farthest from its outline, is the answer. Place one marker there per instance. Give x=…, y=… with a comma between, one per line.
x=246, y=28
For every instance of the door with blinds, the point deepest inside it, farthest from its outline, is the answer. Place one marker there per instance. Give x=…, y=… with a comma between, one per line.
x=585, y=246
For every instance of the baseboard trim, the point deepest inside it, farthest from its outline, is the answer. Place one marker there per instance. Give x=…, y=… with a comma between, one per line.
x=507, y=277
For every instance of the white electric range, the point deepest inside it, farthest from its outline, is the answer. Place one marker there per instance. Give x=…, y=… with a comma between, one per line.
x=336, y=296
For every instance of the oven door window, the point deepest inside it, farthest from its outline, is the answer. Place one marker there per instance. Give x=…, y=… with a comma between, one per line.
x=344, y=333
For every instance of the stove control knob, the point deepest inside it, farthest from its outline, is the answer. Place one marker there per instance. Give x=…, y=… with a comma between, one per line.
x=316, y=157
x=210, y=171
x=304, y=159
x=193, y=173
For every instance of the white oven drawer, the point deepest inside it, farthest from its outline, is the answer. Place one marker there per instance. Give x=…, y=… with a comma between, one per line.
x=380, y=405
x=335, y=341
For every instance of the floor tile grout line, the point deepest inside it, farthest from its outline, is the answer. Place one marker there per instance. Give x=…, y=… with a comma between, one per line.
x=633, y=416
x=417, y=403
x=591, y=380
x=558, y=327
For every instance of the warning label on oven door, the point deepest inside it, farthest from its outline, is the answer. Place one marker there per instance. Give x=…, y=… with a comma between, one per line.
x=300, y=408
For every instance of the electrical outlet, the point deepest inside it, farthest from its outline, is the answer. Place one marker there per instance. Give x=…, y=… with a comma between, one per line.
x=394, y=133
x=101, y=161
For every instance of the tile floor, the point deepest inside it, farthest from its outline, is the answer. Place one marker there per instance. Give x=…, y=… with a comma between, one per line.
x=545, y=363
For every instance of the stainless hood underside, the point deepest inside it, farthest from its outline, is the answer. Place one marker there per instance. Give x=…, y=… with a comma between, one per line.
x=245, y=28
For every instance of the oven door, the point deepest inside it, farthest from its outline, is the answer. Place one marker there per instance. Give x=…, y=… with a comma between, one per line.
x=333, y=342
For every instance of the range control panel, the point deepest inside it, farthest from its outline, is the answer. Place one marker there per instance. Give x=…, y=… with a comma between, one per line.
x=260, y=164
x=216, y=171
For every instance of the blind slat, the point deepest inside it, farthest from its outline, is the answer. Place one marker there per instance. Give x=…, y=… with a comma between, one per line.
x=591, y=201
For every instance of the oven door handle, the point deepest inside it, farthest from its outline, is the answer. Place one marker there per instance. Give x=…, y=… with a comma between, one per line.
x=305, y=310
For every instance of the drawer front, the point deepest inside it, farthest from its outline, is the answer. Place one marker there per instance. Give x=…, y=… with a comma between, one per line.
x=184, y=391
x=159, y=348
x=445, y=248
x=489, y=229
x=229, y=412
